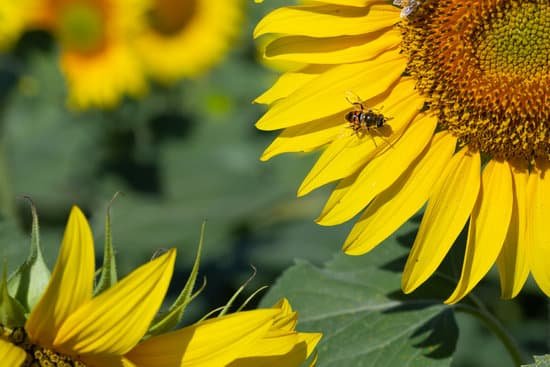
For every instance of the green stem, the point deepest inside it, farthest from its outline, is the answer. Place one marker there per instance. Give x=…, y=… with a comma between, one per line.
x=498, y=329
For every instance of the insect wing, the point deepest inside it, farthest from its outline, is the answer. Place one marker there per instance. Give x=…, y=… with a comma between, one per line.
x=353, y=98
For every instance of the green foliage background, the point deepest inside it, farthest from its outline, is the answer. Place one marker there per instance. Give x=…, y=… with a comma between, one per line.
x=189, y=153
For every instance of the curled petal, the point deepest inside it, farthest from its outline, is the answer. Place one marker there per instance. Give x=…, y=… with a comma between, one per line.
x=215, y=342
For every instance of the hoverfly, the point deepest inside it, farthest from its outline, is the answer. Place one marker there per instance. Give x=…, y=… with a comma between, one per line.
x=365, y=120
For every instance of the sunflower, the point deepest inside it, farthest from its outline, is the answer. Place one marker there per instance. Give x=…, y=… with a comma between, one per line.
x=13, y=19
x=98, y=62
x=70, y=327
x=186, y=37
x=437, y=101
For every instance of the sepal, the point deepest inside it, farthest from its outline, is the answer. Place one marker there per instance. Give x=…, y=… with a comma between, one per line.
x=170, y=319
x=109, y=273
x=28, y=282
x=12, y=313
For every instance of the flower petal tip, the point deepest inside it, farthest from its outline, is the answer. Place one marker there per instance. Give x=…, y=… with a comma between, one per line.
x=76, y=211
x=352, y=249
x=455, y=297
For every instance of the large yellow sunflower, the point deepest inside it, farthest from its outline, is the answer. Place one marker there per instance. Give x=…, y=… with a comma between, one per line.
x=96, y=57
x=186, y=37
x=71, y=327
x=453, y=109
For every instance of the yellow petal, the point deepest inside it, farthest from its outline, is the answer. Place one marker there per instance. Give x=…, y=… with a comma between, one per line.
x=287, y=319
x=313, y=362
x=329, y=20
x=488, y=226
x=285, y=351
x=106, y=361
x=289, y=82
x=399, y=202
x=358, y=3
x=539, y=202
x=102, y=80
x=325, y=95
x=71, y=284
x=211, y=343
x=11, y=356
x=350, y=152
x=306, y=137
x=353, y=194
x=333, y=50
x=448, y=210
x=311, y=340
x=513, y=262
x=117, y=319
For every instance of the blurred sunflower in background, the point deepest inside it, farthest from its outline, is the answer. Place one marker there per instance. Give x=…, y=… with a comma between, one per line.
x=183, y=38
x=74, y=325
x=108, y=48
x=14, y=16
x=453, y=109
x=97, y=58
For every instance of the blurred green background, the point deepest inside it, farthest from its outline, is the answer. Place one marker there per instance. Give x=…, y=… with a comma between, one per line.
x=180, y=156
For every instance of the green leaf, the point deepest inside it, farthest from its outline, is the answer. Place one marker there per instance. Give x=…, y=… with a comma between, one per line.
x=540, y=361
x=11, y=312
x=169, y=320
x=29, y=281
x=357, y=303
x=109, y=274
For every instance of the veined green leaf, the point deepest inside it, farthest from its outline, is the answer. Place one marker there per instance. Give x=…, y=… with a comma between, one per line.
x=366, y=320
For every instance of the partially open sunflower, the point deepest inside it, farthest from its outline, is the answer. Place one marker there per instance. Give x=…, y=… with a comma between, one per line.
x=71, y=326
x=463, y=87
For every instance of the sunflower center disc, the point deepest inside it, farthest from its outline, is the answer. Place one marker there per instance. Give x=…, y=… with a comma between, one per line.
x=81, y=26
x=37, y=355
x=484, y=68
x=169, y=17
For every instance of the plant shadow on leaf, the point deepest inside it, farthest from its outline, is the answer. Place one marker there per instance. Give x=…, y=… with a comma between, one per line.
x=366, y=320
x=442, y=335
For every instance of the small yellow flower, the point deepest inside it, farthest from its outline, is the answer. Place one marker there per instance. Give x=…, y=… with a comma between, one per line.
x=460, y=90
x=186, y=37
x=69, y=324
x=99, y=64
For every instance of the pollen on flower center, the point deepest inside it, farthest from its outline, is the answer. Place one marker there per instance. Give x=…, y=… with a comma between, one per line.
x=169, y=17
x=485, y=70
x=81, y=26
x=517, y=42
x=36, y=354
